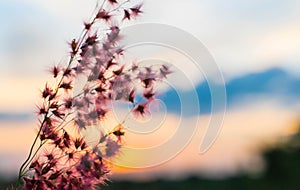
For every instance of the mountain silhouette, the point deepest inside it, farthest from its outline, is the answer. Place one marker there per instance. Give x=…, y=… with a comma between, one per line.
x=272, y=83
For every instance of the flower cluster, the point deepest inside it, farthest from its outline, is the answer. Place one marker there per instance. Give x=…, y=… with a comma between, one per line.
x=61, y=157
x=68, y=160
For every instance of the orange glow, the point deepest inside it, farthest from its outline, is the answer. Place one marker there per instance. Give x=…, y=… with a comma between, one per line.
x=237, y=147
x=19, y=94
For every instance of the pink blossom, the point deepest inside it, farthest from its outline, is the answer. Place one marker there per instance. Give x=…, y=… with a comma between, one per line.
x=72, y=163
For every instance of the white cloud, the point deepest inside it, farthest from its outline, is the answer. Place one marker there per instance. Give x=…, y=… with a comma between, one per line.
x=243, y=36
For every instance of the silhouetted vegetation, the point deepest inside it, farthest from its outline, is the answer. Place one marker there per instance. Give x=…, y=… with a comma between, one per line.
x=282, y=172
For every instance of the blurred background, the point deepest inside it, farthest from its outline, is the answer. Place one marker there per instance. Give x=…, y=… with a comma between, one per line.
x=256, y=44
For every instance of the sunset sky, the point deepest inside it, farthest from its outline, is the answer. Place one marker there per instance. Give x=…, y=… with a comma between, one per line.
x=255, y=43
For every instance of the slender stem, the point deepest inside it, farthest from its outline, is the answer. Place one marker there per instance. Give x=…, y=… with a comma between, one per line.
x=33, y=156
x=29, y=157
x=30, y=153
x=118, y=7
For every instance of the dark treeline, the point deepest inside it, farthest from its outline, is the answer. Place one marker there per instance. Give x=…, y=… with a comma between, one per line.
x=282, y=172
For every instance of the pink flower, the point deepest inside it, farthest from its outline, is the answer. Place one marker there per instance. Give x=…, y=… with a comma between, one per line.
x=103, y=14
x=136, y=10
x=112, y=148
x=149, y=94
x=46, y=92
x=141, y=109
x=164, y=71
x=71, y=163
